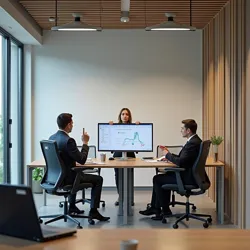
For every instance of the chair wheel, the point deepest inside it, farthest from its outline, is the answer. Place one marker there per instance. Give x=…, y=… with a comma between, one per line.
x=164, y=221
x=91, y=222
x=175, y=226
x=60, y=205
x=209, y=220
x=193, y=208
x=79, y=227
x=103, y=204
x=205, y=225
x=40, y=221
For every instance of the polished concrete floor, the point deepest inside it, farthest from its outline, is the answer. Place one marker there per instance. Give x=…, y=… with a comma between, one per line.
x=142, y=197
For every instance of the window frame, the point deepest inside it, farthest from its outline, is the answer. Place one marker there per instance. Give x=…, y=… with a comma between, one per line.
x=7, y=121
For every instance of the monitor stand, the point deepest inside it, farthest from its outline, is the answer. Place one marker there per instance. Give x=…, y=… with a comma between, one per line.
x=124, y=157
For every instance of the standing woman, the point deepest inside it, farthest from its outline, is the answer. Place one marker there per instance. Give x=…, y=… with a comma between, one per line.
x=123, y=117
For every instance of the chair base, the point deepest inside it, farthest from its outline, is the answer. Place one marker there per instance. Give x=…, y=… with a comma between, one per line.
x=188, y=216
x=182, y=204
x=173, y=202
x=66, y=216
x=191, y=216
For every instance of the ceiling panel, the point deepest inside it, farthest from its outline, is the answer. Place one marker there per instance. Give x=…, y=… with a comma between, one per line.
x=106, y=13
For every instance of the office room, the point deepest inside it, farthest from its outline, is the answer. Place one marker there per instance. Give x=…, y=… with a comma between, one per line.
x=162, y=77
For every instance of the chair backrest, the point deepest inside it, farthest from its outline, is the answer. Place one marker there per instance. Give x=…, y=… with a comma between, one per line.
x=173, y=149
x=199, y=171
x=55, y=171
x=92, y=151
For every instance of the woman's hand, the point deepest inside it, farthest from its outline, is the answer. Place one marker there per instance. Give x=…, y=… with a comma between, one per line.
x=137, y=122
x=111, y=122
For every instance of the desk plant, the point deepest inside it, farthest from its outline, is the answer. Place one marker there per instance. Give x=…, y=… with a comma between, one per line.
x=37, y=176
x=216, y=141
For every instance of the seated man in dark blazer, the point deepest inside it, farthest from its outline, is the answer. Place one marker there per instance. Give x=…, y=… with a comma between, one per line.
x=70, y=155
x=186, y=158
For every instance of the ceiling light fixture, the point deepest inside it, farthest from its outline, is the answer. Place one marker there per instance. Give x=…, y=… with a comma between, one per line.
x=125, y=7
x=124, y=16
x=76, y=25
x=171, y=24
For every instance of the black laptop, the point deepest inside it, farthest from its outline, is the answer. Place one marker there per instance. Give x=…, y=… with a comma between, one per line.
x=18, y=216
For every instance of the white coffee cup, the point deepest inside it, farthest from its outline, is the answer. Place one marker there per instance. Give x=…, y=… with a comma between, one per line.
x=129, y=244
x=103, y=157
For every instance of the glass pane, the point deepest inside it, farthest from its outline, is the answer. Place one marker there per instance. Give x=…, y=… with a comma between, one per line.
x=14, y=112
x=1, y=109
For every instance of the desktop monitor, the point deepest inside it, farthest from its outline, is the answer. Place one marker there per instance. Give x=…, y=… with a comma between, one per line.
x=125, y=137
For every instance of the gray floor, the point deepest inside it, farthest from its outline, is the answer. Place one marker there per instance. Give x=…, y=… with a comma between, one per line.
x=142, y=197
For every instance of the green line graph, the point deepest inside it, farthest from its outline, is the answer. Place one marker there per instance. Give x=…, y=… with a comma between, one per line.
x=133, y=140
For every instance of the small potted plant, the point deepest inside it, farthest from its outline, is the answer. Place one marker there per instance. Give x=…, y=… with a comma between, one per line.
x=37, y=176
x=216, y=141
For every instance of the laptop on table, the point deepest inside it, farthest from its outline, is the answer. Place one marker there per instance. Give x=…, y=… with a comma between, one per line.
x=18, y=216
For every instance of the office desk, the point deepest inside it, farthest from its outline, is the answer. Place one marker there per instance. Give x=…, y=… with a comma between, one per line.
x=125, y=176
x=149, y=239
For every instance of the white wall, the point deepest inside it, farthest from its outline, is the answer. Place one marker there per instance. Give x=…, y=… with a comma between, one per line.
x=93, y=75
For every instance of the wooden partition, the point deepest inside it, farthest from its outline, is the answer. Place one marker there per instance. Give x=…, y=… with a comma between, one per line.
x=224, y=101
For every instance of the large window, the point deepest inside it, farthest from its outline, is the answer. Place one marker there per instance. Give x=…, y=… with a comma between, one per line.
x=1, y=109
x=11, y=111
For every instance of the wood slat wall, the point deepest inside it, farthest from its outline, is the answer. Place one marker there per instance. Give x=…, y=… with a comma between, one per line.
x=224, y=101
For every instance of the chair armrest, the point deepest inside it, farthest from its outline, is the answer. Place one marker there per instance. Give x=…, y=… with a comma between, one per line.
x=181, y=189
x=81, y=169
x=90, y=171
x=176, y=169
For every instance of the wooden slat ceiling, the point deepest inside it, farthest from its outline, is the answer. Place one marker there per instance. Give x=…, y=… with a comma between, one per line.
x=106, y=13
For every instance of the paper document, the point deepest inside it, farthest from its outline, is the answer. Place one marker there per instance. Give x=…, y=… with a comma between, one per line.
x=150, y=160
x=161, y=158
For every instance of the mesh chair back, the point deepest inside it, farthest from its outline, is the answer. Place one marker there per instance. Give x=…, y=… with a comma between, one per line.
x=199, y=171
x=55, y=170
x=92, y=151
x=173, y=149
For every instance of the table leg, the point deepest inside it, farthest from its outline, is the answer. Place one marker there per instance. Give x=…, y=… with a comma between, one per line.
x=220, y=194
x=29, y=176
x=125, y=196
x=44, y=198
x=29, y=183
x=120, y=181
x=130, y=190
x=132, y=185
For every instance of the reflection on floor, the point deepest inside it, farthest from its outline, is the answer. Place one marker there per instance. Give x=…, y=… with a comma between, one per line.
x=203, y=204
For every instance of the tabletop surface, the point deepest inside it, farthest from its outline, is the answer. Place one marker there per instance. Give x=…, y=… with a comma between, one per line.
x=133, y=162
x=149, y=239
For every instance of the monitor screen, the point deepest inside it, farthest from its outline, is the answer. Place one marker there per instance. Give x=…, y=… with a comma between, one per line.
x=125, y=137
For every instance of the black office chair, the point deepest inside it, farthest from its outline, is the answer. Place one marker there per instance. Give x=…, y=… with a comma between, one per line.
x=83, y=200
x=53, y=182
x=174, y=150
x=202, y=184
